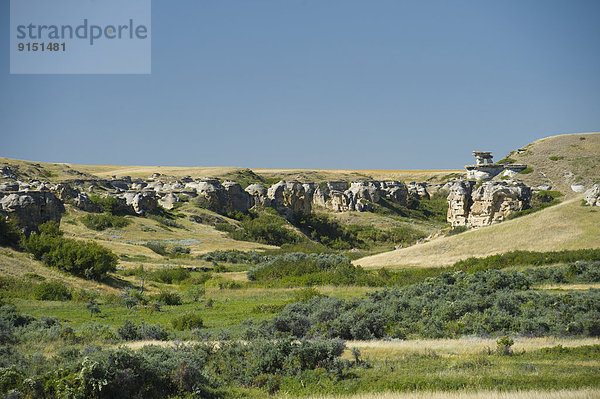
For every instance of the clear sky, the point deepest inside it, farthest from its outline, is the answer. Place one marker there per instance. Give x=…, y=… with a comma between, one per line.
x=320, y=84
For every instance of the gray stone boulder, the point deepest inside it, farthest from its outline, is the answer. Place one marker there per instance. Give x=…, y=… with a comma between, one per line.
x=395, y=192
x=65, y=192
x=288, y=197
x=494, y=201
x=592, y=196
x=141, y=202
x=169, y=200
x=459, y=202
x=367, y=190
x=9, y=186
x=258, y=196
x=236, y=198
x=32, y=208
x=486, y=203
x=211, y=194
x=83, y=202
x=418, y=190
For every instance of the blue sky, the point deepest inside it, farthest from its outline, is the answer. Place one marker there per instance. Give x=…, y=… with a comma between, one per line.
x=320, y=84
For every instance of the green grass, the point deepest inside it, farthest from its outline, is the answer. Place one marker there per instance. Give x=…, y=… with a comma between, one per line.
x=541, y=370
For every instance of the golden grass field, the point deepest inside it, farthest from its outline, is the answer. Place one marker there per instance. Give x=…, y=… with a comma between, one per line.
x=568, y=225
x=561, y=161
x=563, y=394
x=460, y=346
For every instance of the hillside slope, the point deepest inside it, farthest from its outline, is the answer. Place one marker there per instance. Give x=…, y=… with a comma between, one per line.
x=568, y=225
x=561, y=161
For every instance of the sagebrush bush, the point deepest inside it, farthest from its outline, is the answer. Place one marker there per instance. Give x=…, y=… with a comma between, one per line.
x=52, y=291
x=170, y=275
x=187, y=321
x=483, y=303
x=168, y=298
x=84, y=259
x=104, y=221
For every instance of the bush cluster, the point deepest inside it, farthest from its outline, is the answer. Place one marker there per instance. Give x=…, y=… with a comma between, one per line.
x=109, y=204
x=187, y=321
x=523, y=258
x=52, y=291
x=172, y=252
x=266, y=228
x=170, y=275
x=84, y=259
x=200, y=370
x=103, y=221
x=9, y=234
x=130, y=331
x=483, y=303
x=233, y=256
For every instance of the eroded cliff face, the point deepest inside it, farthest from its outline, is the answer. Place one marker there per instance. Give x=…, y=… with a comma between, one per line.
x=359, y=196
x=483, y=204
x=142, y=196
x=29, y=209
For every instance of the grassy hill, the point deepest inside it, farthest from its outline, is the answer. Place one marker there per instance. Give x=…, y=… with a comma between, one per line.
x=561, y=161
x=568, y=225
x=63, y=171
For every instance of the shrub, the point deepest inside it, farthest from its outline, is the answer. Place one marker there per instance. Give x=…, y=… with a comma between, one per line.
x=233, y=256
x=526, y=171
x=9, y=234
x=130, y=331
x=514, y=258
x=187, y=321
x=84, y=259
x=504, y=345
x=109, y=204
x=556, y=158
x=170, y=275
x=457, y=230
x=306, y=294
x=157, y=247
x=195, y=292
x=266, y=228
x=166, y=219
x=451, y=304
x=507, y=160
x=104, y=221
x=168, y=298
x=52, y=291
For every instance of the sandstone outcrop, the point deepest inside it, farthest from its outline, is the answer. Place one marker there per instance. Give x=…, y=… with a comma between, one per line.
x=236, y=199
x=592, y=196
x=30, y=209
x=169, y=200
x=358, y=196
x=288, y=197
x=141, y=202
x=483, y=204
x=418, y=190
x=258, y=195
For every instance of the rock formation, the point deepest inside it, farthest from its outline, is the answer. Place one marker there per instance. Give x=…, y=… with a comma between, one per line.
x=485, y=168
x=141, y=202
x=258, y=195
x=592, y=196
x=486, y=203
x=288, y=197
x=30, y=209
